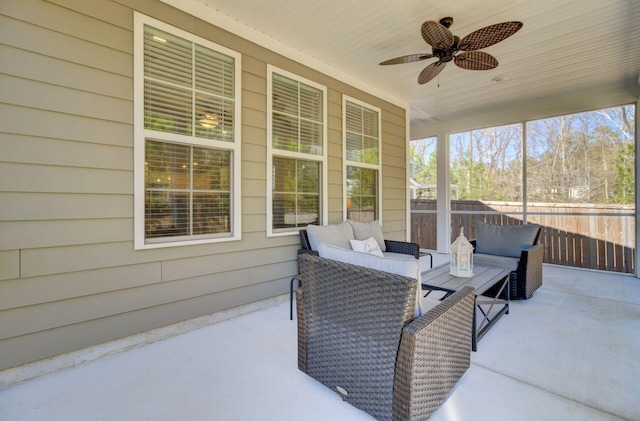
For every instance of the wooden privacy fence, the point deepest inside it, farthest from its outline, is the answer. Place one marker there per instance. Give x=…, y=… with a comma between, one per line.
x=579, y=235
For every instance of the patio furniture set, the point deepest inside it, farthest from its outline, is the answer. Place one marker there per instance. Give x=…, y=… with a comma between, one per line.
x=365, y=329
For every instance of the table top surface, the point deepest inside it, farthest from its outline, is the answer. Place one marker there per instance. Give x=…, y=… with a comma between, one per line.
x=484, y=277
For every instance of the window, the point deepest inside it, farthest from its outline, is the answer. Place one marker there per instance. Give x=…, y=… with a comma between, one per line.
x=187, y=152
x=296, y=158
x=361, y=133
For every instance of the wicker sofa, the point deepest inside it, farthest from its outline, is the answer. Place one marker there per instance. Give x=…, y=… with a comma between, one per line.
x=340, y=235
x=358, y=336
x=358, y=231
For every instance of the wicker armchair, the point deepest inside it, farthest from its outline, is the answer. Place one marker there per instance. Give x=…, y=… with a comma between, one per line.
x=357, y=337
x=527, y=277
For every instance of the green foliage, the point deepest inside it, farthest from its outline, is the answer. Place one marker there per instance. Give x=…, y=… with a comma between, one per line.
x=625, y=174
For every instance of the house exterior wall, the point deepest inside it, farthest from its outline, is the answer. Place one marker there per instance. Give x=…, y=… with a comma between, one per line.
x=69, y=275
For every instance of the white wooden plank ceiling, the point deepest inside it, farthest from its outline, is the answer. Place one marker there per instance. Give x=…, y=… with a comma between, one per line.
x=564, y=46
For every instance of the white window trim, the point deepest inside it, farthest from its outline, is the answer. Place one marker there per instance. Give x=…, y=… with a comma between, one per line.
x=297, y=155
x=346, y=163
x=140, y=134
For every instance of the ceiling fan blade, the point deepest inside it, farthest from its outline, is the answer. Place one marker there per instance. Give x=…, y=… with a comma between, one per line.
x=430, y=72
x=489, y=35
x=475, y=60
x=436, y=35
x=411, y=58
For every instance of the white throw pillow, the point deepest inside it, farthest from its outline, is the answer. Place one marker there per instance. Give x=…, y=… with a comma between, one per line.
x=364, y=230
x=369, y=246
x=404, y=267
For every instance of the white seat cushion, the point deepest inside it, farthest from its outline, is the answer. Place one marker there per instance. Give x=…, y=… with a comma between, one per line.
x=510, y=263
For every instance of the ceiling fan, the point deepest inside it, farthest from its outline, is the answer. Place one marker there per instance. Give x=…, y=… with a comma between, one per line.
x=463, y=52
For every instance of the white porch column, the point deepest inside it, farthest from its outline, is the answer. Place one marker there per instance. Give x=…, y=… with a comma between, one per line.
x=637, y=198
x=444, y=202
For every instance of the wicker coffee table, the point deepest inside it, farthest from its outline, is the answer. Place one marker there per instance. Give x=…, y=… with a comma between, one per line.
x=492, y=293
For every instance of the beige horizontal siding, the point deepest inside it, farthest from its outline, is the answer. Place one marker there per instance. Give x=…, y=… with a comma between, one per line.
x=43, y=344
x=42, y=289
x=105, y=10
x=252, y=152
x=202, y=265
x=9, y=266
x=64, y=100
x=55, y=125
x=22, y=206
x=53, y=260
x=69, y=276
x=35, y=318
x=52, y=233
x=43, y=41
x=43, y=151
x=53, y=179
x=255, y=83
x=37, y=67
x=69, y=22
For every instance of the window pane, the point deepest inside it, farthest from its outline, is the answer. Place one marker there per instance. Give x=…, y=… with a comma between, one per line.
x=179, y=76
x=285, y=132
x=308, y=177
x=310, y=103
x=297, y=116
x=284, y=210
x=370, y=150
x=167, y=108
x=296, y=192
x=211, y=169
x=211, y=213
x=188, y=190
x=310, y=137
x=354, y=147
x=308, y=210
x=166, y=166
x=284, y=175
x=362, y=195
x=369, y=122
x=166, y=214
x=353, y=115
x=362, y=134
x=214, y=118
x=167, y=58
x=214, y=72
x=285, y=95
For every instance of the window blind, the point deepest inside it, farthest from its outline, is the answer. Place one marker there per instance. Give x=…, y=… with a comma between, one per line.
x=188, y=89
x=297, y=115
x=362, y=138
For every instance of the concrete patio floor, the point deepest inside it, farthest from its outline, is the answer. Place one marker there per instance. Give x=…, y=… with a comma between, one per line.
x=570, y=353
